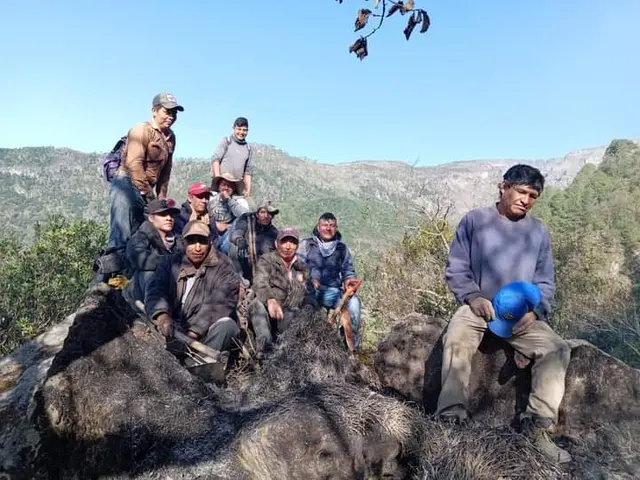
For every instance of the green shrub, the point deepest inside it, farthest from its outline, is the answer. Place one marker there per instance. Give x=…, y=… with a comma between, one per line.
x=43, y=282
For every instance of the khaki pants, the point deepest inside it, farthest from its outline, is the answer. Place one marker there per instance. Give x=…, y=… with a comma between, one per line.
x=551, y=355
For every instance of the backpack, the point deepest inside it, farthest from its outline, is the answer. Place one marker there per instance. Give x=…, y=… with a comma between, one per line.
x=111, y=161
x=228, y=142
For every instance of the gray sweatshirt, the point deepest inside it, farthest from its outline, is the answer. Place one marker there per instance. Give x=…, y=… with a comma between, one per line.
x=489, y=251
x=234, y=158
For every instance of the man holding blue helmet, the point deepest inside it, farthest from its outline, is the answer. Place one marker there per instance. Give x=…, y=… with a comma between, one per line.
x=500, y=268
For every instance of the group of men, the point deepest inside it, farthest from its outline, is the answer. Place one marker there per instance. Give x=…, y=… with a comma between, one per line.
x=191, y=263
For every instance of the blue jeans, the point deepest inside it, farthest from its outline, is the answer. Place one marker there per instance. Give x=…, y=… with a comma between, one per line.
x=329, y=297
x=223, y=241
x=127, y=211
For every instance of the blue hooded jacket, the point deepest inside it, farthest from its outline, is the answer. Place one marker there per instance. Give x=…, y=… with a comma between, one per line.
x=330, y=262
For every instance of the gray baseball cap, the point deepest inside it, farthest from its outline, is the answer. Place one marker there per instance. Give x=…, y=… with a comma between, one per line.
x=167, y=100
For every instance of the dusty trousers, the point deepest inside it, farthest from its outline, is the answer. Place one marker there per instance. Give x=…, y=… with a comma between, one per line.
x=550, y=353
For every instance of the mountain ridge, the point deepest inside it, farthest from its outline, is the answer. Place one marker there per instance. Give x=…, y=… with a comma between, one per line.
x=375, y=200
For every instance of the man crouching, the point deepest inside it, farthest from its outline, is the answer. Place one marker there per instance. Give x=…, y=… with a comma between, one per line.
x=196, y=292
x=280, y=286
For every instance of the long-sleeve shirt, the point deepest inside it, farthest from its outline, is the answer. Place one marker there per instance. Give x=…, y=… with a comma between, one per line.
x=234, y=157
x=148, y=158
x=489, y=251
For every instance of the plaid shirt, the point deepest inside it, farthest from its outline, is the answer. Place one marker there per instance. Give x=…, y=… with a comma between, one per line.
x=219, y=209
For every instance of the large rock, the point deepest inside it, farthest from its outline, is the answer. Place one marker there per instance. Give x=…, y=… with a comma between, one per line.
x=116, y=404
x=599, y=415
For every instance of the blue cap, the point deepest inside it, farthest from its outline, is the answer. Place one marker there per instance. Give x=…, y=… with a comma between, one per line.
x=511, y=303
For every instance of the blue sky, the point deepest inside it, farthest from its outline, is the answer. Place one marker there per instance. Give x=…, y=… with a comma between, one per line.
x=492, y=79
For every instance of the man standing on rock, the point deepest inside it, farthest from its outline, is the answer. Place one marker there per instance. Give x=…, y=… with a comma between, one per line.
x=494, y=246
x=233, y=156
x=146, y=164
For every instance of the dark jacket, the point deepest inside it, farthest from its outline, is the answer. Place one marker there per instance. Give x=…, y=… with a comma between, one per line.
x=183, y=218
x=265, y=235
x=214, y=294
x=332, y=264
x=145, y=249
x=272, y=280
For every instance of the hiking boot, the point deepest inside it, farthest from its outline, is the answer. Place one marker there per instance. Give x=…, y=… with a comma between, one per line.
x=538, y=430
x=455, y=414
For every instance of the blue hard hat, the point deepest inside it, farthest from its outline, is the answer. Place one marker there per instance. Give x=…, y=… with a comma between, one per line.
x=511, y=303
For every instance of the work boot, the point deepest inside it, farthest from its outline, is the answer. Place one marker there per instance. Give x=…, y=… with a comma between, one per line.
x=455, y=414
x=539, y=430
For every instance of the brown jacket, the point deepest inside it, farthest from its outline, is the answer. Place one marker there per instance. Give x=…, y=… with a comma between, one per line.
x=148, y=158
x=272, y=280
x=214, y=294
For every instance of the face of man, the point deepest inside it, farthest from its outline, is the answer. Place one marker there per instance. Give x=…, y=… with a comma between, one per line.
x=240, y=132
x=264, y=217
x=287, y=247
x=517, y=200
x=199, y=202
x=164, y=117
x=197, y=249
x=327, y=229
x=163, y=221
x=225, y=188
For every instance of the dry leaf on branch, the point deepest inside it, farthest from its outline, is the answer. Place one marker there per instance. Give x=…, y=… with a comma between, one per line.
x=426, y=21
x=360, y=48
x=408, y=6
x=394, y=8
x=414, y=20
x=362, y=18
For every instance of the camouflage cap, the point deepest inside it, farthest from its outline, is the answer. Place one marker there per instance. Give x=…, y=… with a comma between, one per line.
x=168, y=101
x=268, y=206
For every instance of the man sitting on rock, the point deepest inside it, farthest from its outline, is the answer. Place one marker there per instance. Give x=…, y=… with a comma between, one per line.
x=280, y=287
x=196, y=292
x=147, y=247
x=329, y=260
x=225, y=207
x=195, y=208
x=253, y=235
x=494, y=246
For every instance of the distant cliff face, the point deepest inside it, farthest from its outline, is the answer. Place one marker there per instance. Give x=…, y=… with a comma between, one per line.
x=373, y=200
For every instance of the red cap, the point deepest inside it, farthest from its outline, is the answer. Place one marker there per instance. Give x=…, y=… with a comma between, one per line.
x=198, y=187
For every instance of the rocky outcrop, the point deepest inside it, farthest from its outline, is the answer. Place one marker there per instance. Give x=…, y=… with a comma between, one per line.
x=113, y=403
x=116, y=404
x=599, y=414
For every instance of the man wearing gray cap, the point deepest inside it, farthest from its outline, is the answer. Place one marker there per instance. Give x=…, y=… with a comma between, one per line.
x=146, y=164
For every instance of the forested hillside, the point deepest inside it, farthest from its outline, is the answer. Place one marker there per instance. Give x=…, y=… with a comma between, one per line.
x=375, y=201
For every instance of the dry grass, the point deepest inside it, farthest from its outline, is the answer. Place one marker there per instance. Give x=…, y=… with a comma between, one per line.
x=479, y=452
